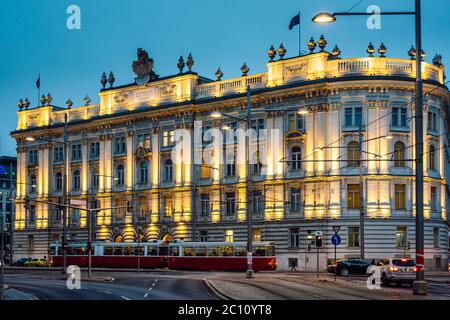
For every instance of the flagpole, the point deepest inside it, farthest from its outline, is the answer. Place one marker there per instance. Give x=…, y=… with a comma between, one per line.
x=39, y=90
x=299, y=37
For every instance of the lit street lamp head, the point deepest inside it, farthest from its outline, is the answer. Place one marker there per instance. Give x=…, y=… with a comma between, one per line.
x=324, y=17
x=216, y=114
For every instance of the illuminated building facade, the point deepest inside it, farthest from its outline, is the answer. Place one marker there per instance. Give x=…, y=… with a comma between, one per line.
x=308, y=181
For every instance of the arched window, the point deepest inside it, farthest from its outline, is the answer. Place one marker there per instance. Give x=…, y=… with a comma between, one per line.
x=58, y=181
x=432, y=158
x=144, y=172
x=120, y=175
x=353, y=154
x=399, y=154
x=33, y=183
x=168, y=170
x=296, y=155
x=76, y=185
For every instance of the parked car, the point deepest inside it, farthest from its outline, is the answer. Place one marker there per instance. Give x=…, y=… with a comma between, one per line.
x=21, y=262
x=344, y=267
x=37, y=263
x=398, y=270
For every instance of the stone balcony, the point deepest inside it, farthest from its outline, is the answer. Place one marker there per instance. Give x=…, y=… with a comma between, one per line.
x=189, y=86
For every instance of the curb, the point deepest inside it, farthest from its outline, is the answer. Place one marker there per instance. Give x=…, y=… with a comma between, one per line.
x=216, y=291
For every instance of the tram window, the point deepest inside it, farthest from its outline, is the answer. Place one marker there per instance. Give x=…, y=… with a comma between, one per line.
x=152, y=251
x=188, y=252
x=260, y=251
x=214, y=252
x=174, y=251
x=139, y=251
x=227, y=251
x=59, y=251
x=52, y=251
x=270, y=251
x=129, y=251
x=240, y=251
x=80, y=251
x=118, y=251
x=200, y=252
x=163, y=251
x=70, y=251
x=107, y=251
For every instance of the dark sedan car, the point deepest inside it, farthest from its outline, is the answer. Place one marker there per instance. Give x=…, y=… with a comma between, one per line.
x=345, y=267
x=21, y=261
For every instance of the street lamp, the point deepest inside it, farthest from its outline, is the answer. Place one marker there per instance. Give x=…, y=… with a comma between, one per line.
x=420, y=286
x=247, y=119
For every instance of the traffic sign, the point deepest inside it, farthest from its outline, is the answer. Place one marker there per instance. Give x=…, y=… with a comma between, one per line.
x=336, y=240
x=318, y=233
x=336, y=229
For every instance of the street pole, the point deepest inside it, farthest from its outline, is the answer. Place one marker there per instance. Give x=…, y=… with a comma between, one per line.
x=317, y=266
x=138, y=251
x=2, y=262
x=64, y=226
x=335, y=262
x=92, y=206
x=249, y=273
x=193, y=184
x=12, y=216
x=420, y=286
x=361, y=196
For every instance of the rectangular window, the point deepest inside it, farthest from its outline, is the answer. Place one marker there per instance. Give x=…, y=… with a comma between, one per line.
x=433, y=199
x=291, y=122
x=32, y=214
x=205, y=204
x=167, y=205
x=143, y=141
x=258, y=202
x=353, y=201
x=399, y=117
x=258, y=125
x=58, y=154
x=94, y=150
x=230, y=203
x=205, y=171
x=294, y=237
x=168, y=138
x=295, y=122
x=30, y=243
x=436, y=237
x=353, y=236
x=120, y=145
x=400, y=203
x=256, y=234
x=353, y=117
x=203, y=235
x=401, y=237
x=76, y=152
x=358, y=116
x=348, y=117
x=229, y=235
x=432, y=120
x=33, y=157
x=295, y=200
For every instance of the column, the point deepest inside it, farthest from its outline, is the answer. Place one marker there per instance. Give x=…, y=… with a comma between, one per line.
x=155, y=158
x=130, y=163
x=85, y=173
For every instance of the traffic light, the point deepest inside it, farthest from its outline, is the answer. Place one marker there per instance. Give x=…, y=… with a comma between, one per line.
x=318, y=241
x=308, y=247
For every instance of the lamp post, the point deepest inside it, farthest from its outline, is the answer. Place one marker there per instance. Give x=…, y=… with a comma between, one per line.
x=420, y=286
x=247, y=120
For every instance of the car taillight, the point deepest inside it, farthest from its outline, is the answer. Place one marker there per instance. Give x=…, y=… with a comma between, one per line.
x=333, y=265
x=393, y=269
x=415, y=269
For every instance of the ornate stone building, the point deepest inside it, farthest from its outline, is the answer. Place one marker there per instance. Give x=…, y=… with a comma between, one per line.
x=308, y=181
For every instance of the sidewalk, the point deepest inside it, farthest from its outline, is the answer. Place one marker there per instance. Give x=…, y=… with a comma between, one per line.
x=13, y=294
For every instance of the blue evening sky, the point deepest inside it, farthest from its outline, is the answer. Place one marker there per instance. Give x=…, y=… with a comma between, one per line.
x=34, y=39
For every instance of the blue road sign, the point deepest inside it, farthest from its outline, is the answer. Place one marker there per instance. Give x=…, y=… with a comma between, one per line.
x=336, y=240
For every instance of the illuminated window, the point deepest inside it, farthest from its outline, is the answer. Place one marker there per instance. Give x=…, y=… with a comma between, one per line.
x=167, y=205
x=401, y=237
x=353, y=236
x=400, y=202
x=353, y=154
x=353, y=201
x=120, y=208
x=205, y=171
x=143, y=141
x=229, y=235
x=256, y=234
x=432, y=158
x=295, y=122
x=399, y=154
x=168, y=138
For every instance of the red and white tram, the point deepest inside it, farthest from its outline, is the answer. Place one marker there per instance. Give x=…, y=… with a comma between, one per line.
x=179, y=255
x=220, y=256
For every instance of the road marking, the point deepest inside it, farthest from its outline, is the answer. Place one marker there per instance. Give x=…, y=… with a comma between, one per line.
x=107, y=292
x=146, y=295
x=124, y=298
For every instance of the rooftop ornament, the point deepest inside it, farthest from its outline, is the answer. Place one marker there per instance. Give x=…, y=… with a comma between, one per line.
x=312, y=45
x=143, y=68
x=69, y=103
x=219, y=74
x=245, y=69
x=87, y=100
x=322, y=43
x=382, y=50
x=49, y=99
x=336, y=52
x=437, y=60
x=370, y=49
x=104, y=80
x=412, y=53
x=181, y=64
x=111, y=79
x=271, y=53
x=190, y=62
x=43, y=100
x=23, y=104
x=281, y=51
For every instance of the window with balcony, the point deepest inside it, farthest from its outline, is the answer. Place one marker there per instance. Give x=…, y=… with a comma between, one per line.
x=353, y=154
x=400, y=199
x=399, y=154
x=120, y=146
x=353, y=201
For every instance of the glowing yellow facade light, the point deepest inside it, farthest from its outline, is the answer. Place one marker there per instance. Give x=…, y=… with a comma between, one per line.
x=216, y=115
x=303, y=111
x=323, y=17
